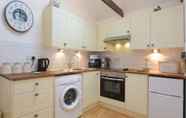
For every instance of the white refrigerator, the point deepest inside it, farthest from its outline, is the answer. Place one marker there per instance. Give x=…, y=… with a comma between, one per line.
x=166, y=98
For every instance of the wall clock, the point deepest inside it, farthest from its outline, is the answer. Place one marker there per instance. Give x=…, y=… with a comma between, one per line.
x=18, y=16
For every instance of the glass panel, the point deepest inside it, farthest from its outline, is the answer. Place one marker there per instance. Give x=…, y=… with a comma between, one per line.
x=70, y=97
x=112, y=87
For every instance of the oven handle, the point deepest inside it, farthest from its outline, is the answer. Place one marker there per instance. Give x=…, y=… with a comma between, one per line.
x=112, y=79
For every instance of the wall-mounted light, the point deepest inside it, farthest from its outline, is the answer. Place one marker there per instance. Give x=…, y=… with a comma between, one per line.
x=78, y=54
x=156, y=55
x=156, y=51
x=127, y=45
x=60, y=51
x=118, y=45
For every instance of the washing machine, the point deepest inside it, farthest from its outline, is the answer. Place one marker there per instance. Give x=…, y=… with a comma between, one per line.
x=68, y=96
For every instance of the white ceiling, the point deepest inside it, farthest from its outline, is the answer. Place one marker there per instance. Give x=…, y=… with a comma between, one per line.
x=97, y=10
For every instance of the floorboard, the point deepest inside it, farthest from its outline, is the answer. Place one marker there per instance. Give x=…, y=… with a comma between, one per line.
x=101, y=112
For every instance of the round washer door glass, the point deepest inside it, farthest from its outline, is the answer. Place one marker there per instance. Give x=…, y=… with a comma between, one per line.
x=70, y=98
x=18, y=16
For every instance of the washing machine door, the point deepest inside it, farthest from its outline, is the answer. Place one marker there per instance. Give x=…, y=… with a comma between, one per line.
x=70, y=98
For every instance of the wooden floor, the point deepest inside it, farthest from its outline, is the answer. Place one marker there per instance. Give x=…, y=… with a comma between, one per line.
x=101, y=112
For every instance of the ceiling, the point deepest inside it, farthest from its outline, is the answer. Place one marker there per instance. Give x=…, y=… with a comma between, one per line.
x=96, y=10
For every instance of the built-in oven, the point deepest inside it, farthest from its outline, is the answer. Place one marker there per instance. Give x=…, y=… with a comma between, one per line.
x=113, y=87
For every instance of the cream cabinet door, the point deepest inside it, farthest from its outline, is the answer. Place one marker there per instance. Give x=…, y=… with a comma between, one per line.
x=76, y=32
x=90, y=43
x=140, y=21
x=167, y=28
x=102, y=30
x=55, y=27
x=41, y=114
x=90, y=88
x=137, y=93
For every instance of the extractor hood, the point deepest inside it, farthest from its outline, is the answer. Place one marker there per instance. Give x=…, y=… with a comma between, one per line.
x=118, y=38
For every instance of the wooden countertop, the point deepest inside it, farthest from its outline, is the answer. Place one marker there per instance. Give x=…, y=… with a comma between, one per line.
x=151, y=73
x=25, y=76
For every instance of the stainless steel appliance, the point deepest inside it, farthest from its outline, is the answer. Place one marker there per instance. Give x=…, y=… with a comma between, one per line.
x=43, y=64
x=112, y=85
x=94, y=61
x=105, y=63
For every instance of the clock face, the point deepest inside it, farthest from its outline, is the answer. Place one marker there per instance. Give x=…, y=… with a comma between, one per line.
x=18, y=16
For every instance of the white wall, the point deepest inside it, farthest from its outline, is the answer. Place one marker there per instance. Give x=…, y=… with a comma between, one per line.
x=16, y=47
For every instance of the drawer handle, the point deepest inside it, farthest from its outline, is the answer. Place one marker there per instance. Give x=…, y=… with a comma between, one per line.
x=37, y=84
x=37, y=94
x=36, y=116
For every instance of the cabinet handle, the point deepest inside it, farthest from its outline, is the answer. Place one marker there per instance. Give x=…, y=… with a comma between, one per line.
x=148, y=45
x=37, y=94
x=84, y=47
x=36, y=116
x=37, y=84
x=65, y=44
x=152, y=44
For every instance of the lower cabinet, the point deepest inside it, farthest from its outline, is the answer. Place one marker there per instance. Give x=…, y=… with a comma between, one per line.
x=31, y=98
x=40, y=114
x=137, y=93
x=90, y=88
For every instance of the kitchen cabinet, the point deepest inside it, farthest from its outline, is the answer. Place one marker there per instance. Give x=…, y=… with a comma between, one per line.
x=90, y=88
x=137, y=93
x=27, y=98
x=63, y=29
x=167, y=28
x=55, y=27
x=160, y=29
x=140, y=29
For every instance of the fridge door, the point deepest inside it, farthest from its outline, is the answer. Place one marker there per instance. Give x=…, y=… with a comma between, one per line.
x=166, y=86
x=161, y=106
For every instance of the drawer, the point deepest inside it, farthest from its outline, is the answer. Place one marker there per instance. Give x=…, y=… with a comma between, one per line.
x=161, y=106
x=25, y=86
x=166, y=86
x=40, y=114
x=28, y=102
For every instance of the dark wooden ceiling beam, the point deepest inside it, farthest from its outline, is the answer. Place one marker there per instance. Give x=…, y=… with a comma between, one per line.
x=114, y=7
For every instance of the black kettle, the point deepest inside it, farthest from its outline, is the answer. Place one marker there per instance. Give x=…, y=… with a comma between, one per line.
x=43, y=64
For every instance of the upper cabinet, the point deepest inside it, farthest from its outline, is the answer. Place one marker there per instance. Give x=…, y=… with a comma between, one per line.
x=140, y=24
x=111, y=28
x=62, y=29
x=160, y=29
x=167, y=28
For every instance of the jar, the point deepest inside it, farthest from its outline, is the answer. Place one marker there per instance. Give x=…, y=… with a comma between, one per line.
x=27, y=67
x=6, y=68
x=17, y=68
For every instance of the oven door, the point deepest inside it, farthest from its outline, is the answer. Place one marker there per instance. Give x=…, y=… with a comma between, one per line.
x=113, y=88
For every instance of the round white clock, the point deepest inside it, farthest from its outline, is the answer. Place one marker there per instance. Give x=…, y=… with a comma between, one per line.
x=18, y=16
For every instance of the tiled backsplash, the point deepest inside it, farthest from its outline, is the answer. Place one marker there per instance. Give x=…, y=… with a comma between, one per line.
x=141, y=58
